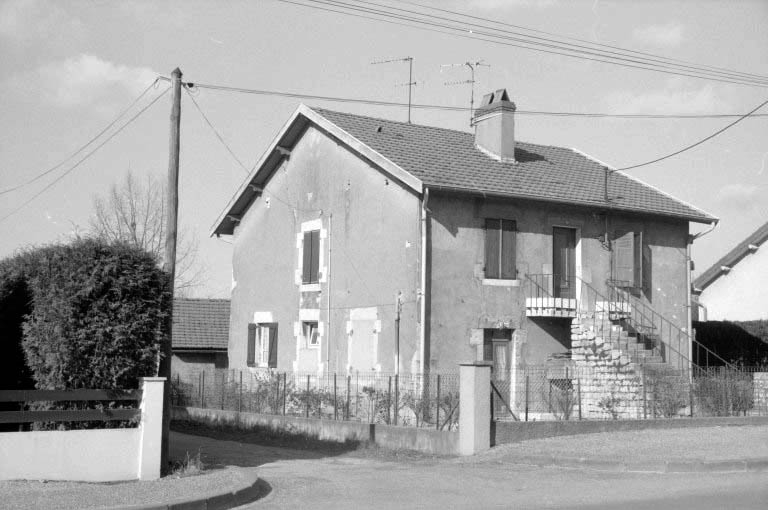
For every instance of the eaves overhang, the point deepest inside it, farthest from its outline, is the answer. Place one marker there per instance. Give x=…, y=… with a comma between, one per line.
x=748, y=246
x=280, y=148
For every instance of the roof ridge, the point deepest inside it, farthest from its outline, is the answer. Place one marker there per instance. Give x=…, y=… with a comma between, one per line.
x=409, y=124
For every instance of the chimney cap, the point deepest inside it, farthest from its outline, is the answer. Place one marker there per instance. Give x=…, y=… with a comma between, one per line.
x=495, y=97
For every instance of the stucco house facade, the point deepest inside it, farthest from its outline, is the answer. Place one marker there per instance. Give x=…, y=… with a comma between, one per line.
x=735, y=288
x=363, y=244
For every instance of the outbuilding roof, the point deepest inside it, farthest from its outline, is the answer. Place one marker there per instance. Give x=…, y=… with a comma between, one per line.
x=200, y=324
x=447, y=159
x=733, y=257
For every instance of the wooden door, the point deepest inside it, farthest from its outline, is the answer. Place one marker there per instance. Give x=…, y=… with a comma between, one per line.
x=564, y=262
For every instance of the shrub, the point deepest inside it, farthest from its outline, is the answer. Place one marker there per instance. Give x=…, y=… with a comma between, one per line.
x=93, y=314
x=724, y=393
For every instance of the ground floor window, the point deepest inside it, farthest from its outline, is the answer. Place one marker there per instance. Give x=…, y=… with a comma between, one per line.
x=262, y=345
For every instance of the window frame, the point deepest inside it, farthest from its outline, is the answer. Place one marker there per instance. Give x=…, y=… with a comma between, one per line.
x=310, y=270
x=310, y=330
x=260, y=345
x=505, y=244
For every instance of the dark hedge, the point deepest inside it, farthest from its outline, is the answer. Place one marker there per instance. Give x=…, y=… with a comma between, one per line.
x=743, y=343
x=85, y=314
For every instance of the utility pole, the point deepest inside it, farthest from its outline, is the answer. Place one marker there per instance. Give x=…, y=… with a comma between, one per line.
x=169, y=259
x=398, y=308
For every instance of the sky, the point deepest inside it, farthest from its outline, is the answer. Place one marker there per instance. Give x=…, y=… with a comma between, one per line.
x=68, y=69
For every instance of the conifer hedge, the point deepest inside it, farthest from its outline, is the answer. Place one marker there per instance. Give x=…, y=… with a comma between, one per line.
x=86, y=314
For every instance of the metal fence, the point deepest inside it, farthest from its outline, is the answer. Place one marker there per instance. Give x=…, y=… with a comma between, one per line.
x=411, y=400
x=584, y=393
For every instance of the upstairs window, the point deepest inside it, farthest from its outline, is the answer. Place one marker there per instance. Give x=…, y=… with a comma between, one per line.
x=311, y=257
x=500, y=249
x=262, y=345
x=629, y=259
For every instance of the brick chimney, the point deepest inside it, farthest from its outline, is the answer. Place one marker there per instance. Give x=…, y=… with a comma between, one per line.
x=494, y=125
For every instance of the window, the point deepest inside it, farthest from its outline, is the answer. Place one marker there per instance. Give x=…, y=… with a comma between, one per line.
x=628, y=259
x=310, y=334
x=262, y=345
x=500, y=249
x=311, y=257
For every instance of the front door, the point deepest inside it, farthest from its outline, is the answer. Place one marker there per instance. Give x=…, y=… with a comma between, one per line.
x=496, y=350
x=564, y=262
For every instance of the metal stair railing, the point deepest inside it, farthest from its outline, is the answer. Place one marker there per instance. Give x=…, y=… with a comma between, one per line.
x=646, y=317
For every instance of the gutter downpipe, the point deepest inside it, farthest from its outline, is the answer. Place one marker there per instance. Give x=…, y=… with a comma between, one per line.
x=688, y=284
x=423, y=304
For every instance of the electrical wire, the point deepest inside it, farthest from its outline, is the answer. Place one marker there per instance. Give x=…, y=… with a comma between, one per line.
x=557, y=45
x=83, y=147
x=215, y=132
x=592, y=45
x=70, y=169
x=697, y=143
x=539, y=47
x=373, y=102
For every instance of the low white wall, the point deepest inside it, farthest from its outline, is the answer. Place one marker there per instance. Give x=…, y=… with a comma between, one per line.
x=101, y=455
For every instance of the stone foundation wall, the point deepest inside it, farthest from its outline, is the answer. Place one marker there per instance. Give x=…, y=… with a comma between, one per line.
x=611, y=385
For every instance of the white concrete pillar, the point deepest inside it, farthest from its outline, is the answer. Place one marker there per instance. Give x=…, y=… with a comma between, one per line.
x=151, y=427
x=474, y=408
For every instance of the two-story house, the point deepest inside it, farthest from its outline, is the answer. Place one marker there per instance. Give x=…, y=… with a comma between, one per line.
x=363, y=244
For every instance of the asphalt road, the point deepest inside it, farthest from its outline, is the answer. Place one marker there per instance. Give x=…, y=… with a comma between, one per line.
x=304, y=479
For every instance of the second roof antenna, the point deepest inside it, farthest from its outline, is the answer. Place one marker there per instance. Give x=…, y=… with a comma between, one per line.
x=472, y=66
x=410, y=83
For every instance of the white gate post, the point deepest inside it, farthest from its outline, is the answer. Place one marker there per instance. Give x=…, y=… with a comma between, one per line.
x=474, y=408
x=151, y=427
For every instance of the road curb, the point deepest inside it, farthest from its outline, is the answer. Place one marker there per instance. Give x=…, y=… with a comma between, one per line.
x=692, y=466
x=254, y=489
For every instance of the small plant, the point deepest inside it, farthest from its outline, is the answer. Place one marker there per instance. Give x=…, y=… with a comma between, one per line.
x=611, y=404
x=191, y=465
x=667, y=393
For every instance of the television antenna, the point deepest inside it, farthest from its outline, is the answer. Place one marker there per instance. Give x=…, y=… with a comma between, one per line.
x=471, y=81
x=410, y=84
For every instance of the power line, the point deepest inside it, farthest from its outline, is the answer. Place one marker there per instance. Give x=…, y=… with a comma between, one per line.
x=549, y=43
x=81, y=160
x=373, y=102
x=96, y=137
x=592, y=45
x=207, y=121
x=697, y=143
x=529, y=45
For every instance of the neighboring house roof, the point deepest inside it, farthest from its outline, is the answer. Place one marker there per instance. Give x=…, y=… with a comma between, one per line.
x=447, y=159
x=200, y=324
x=733, y=257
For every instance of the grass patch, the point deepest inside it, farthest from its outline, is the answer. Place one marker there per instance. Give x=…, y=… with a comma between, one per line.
x=191, y=465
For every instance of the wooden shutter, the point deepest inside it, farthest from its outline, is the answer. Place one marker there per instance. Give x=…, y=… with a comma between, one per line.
x=623, y=259
x=306, y=269
x=637, y=255
x=251, y=358
x=647, y=269
x=315, y=258
x=492, y=248
x=508, y=249
x=272, y=346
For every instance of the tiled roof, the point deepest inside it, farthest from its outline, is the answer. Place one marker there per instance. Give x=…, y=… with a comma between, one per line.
x=200, y=324
x=744, y=248
x=445, y=158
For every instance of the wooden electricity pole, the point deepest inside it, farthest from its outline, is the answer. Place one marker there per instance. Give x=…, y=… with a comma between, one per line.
x=169, y=259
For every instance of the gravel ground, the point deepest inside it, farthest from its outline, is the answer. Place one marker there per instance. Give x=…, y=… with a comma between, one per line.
x=685, y=444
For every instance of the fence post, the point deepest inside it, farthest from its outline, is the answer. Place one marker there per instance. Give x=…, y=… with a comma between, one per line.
x=240, y=394
x=307, y=398
x=397, y=395
x=223, y=387
x=578, y=389
x=389, y=401
x=276, y=407
x=474, y=409
x=645, y=398
x=527, y=383
x=335, y=400
x=202, y=390
x=285, y=384
x=349, y=384
x=690, y=396
x=151, y=427
x=437, y=407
